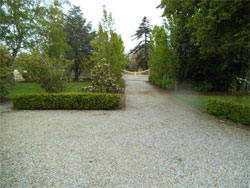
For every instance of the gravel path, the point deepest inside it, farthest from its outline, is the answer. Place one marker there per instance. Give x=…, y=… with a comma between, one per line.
x=155, y=142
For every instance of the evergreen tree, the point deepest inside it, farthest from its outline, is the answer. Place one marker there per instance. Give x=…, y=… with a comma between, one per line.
x=141, y=50
x=79, y=35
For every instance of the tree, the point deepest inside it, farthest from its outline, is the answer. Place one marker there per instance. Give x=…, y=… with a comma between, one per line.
x=223, y=31
x=163, y=61
x=108, y=46
x=141, y=50
x=52, y=30
x=28, y=24
x=210, y=39
x=18, y=24
x=79, y=35
x=5, y=70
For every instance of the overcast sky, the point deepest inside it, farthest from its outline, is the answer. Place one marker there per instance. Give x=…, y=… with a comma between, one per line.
x=127, y=15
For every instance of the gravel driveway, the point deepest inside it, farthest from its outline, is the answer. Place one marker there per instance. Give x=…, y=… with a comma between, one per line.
x=154, y=142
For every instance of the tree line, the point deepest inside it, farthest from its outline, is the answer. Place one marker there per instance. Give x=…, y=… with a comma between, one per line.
x=203, y=45
x=49, y=44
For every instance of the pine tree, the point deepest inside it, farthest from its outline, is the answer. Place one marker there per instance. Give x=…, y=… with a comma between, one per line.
x=141, y=50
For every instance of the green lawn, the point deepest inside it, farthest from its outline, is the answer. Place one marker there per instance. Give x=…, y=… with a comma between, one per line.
x=198, y=101
x=20, y=88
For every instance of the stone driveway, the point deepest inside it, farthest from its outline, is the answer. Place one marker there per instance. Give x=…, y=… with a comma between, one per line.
x=154, y=142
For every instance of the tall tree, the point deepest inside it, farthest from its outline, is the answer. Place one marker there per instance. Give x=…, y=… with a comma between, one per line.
x=141, y=50
x=79, y=35
x=18, y=21
x=109, y=46
x=52, y=30
x=163, y=61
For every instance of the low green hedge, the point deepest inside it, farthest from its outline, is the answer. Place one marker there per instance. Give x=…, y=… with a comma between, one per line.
x=226, y=109
x=86, y=101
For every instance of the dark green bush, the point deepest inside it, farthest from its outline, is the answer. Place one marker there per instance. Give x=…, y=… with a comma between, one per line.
x=226, y=109
x=86, y=101
x=204, y=86
x=5, y=70
x=164, y=83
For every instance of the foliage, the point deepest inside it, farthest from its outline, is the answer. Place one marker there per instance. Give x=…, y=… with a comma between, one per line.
x=51, y=73
x=18, y=24
x=79, y=36
x=25, y=24
x=211, y=40
x=52, y=31
x=230, y=110
x=5, y=70
x=108, y=47
x=163, y=62
x=86, y=101
x=141, y=50
x=103, y=80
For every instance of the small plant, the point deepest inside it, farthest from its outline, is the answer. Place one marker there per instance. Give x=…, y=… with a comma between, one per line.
x=5, y=70
x=103, y=80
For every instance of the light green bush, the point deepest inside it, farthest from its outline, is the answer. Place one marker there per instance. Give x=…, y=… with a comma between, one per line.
x=52, y=74
x=230, y=110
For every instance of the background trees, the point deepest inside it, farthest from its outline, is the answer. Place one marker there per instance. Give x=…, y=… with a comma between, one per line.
x=79, y=34
x=211, y=41
x=141, y=50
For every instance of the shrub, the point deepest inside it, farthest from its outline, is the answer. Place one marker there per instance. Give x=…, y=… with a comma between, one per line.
x=5, y=70
x=52, y=74
x=103, y=81
x=227, y=109
x=164, y=83
x=204, y=86
x=86, y=101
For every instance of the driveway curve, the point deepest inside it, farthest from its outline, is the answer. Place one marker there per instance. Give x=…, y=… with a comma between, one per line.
x=154, y=142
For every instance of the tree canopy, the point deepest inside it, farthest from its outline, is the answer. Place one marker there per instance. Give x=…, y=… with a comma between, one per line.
x=211, y=40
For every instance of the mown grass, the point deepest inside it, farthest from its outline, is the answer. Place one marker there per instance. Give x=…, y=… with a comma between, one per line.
x=21, y=88
x=199, y=101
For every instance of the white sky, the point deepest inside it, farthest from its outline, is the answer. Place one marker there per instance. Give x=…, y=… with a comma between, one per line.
x=127, y=15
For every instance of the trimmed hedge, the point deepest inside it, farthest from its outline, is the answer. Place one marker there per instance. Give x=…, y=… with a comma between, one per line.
x=86, y=101
x=230, y=110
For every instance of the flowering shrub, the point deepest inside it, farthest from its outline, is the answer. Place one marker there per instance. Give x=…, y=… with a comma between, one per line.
x=103, y=80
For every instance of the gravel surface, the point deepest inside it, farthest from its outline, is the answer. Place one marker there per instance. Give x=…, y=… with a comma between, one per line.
x=154, y=142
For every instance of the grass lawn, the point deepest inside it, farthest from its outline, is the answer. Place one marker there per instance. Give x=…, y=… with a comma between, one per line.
x=20, y=88
x=198, y=101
